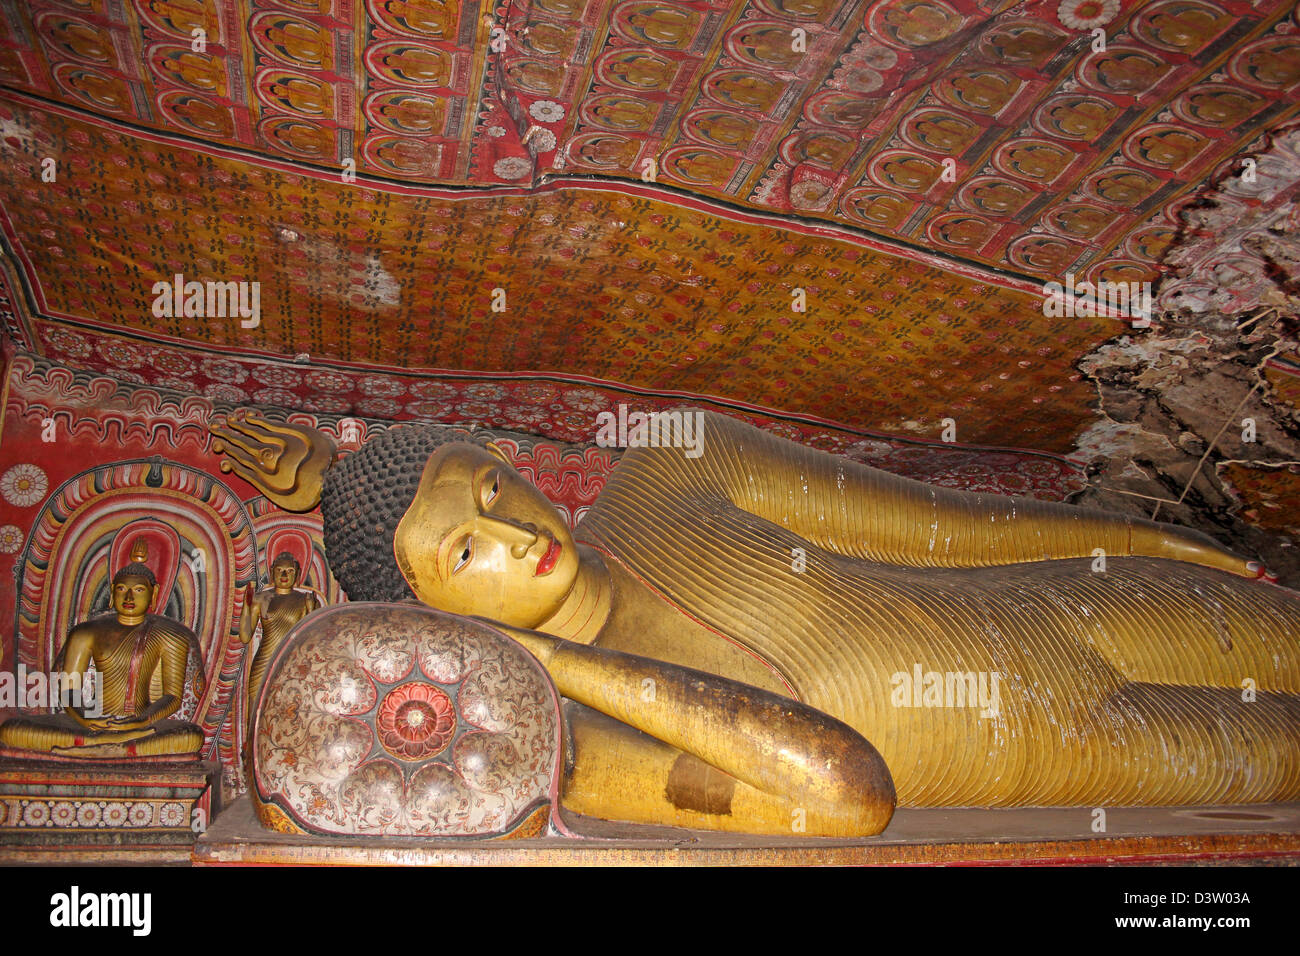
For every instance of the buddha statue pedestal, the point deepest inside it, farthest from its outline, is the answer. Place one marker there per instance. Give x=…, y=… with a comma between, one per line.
x=71, y=810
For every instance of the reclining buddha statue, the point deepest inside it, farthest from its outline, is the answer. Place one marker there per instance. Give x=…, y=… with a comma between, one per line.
x=131, y=650
x=746, y=638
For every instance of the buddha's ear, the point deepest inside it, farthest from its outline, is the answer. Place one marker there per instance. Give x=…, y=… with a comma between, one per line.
x=497, y=452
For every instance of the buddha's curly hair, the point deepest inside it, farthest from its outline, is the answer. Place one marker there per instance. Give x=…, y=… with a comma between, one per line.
x=136, y=569
x=364, y=497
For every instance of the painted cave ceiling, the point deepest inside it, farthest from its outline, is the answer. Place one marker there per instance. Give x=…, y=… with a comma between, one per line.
x=647, y=183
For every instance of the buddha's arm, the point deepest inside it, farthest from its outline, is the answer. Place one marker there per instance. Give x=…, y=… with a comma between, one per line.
x=785, y=767
x=854, y=510
x=76, y=657
x=249, y=615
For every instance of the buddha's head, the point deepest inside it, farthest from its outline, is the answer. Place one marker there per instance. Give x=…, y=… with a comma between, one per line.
x=284, y=572
x=402, y=512
x=481, y=539
x=133, y=590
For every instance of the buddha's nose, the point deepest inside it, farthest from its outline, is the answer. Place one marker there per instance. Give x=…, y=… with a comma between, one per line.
x=520, y=548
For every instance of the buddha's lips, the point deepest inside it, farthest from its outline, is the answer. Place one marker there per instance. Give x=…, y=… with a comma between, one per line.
x=549, y=559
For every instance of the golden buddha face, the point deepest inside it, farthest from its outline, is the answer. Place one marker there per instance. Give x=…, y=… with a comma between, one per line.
x=132, y=597
x=480, y=539
x=284, y=575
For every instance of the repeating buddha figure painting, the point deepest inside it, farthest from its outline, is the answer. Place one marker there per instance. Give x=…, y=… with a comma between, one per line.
x=998, y=197
x=1122, y=186
x=429, y=19
x=699, y=165
x=938, y=132
x=545, y=38
x=538, y=77
x=818, y=10
x=1166, y=147
x=296, y=93
x=878, y=208
x=1078, y=220
x=182, y=17
x=1022, y=43
x=906, y=172
x=1271, y=64
x=827, y=149
x=408, y=114
x=1129, y=71
x=1033, y=160
x=1216, y=106
x=656, y=24
x=843, y=110
x=95, y=89
x=744, y=90
x=299, y=137
x=618, y=111
x=983, y=91
x=198, y=114
x=77, y=39
x=960, y=230
x=292, y=41
x=915, y=23
x=605, y=150
x=409, y=64
x=726, y=130
x=1181, y=26
x=637, y=70
x=1043, y=253
x=198, y=72
x=766, y=46
x=1076, y=117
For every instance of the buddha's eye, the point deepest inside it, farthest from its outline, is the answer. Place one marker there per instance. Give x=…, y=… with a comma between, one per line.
x=493, y=489
x=467, y=552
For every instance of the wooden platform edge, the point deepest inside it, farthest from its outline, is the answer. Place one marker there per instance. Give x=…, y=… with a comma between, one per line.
x=231, y=844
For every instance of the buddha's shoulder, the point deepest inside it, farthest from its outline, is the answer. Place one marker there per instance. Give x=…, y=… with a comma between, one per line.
x=165, y=627
x=92, y=627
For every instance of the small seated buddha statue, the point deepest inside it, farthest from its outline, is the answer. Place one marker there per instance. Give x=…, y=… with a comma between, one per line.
x=277, y=608
x=127, y=648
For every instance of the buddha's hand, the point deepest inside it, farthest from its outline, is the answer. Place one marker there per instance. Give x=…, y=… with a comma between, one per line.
x=97, y=723
x=287, y=463
x=125, y=722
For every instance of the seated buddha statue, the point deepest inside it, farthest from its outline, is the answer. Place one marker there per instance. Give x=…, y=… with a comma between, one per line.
x=277, y=608
x=128, y=648
x=745, y=635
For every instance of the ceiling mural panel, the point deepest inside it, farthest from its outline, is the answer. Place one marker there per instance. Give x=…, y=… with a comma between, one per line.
x=835, y=210
x=1044, y=137
x=619, y=288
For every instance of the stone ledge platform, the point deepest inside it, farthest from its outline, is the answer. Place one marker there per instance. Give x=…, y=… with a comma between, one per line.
x=1042, y=836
